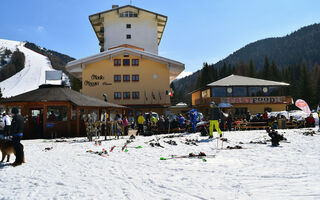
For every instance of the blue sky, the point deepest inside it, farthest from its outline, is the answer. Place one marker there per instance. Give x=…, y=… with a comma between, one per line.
x=197, y=30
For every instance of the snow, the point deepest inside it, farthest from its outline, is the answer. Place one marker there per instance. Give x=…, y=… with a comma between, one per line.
x=258, y=171
x=31, y=76
x=183, y=74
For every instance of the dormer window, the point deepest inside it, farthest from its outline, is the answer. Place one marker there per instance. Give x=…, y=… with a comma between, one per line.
x=128, y=14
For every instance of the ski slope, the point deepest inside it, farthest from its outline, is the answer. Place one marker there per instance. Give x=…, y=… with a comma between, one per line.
x=258, y=171
x=31, y=76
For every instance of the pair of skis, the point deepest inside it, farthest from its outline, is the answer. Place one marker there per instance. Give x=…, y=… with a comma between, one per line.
x=103, y=153
x=201, y=155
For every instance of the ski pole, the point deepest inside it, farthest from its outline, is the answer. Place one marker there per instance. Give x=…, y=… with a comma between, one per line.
x=222, y=141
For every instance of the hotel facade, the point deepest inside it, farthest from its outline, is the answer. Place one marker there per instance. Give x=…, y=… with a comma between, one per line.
x=128, y=69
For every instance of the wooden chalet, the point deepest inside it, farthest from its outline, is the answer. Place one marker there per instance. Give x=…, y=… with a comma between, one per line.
x=56, y=110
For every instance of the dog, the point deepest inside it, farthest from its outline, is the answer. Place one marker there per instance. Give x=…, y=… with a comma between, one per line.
x=7, y=148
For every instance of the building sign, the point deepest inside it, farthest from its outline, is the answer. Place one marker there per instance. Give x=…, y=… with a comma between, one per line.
x=252, y=100
x=95, y=80
x=205, y=94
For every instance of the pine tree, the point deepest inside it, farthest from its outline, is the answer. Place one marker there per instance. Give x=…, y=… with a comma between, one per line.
x=223, y=70
x=76, y=84
x=317, y=91
x=252, y=70
x=2, y=61
x=304, y=87
x=275, y=72
x=266, y=70
x=206, y=76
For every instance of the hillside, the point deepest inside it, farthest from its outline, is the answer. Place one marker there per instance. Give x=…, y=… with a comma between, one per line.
x=58, y=62
x=31, y=76
x=301, y=45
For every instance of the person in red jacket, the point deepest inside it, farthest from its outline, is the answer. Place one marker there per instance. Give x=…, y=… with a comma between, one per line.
x=265, y=116
x=310, y=121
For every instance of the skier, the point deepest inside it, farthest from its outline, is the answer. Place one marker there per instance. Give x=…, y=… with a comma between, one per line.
x=16, y=132
x=229, y=121
x=7, y=124
x=215, y=115
x=275, y=137
x=193, y=117
x=182, y=122
x=125, y=125
x=140, y=124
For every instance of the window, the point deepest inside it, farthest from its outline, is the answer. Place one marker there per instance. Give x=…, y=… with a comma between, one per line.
x=73, y=113
x=128, y=14
x=128, y=36
x=135, y=62
x=117, y=62
x=239, y=91
x=126, y=95
x=135, y=95
x=135, y=77
x=126, y=78
x=117, y=78
x=57, y=113
x=126, y=62
x=274, y=91
x=218, y=92
x=255, y=91
x=117, y=95
x=83, y=114
x=128, y=25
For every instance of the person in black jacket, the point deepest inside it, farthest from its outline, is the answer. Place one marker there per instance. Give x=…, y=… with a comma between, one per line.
x=16, y=132
x=229, y=121
x=275, y=137
x=215, y=116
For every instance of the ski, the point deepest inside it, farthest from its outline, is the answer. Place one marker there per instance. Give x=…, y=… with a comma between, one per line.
x=112, y=148
x=201, y=155
x=103, y=153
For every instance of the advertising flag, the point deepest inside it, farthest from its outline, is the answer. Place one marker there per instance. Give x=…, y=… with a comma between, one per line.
x=303, y=106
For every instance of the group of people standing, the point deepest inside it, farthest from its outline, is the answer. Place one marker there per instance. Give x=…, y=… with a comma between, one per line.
x=14, y=129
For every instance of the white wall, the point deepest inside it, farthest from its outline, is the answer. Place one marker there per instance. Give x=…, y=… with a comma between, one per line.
x=143, y=31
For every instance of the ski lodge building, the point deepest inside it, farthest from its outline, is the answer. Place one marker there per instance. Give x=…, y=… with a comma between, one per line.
x=128, y=69
x=245, y=94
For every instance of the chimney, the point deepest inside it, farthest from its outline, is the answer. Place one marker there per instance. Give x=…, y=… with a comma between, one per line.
x=115, y=6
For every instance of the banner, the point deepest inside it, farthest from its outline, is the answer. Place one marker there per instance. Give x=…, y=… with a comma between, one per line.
x=303, y=106
x=54, y=75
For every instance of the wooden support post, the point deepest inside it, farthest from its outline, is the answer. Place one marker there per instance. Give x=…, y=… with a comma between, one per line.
x=69, y=107
x=78, y=121
x=45, y=134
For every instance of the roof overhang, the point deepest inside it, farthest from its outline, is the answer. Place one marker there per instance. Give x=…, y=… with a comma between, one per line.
x=97, y=21
x=236, y=80
x=77, y=66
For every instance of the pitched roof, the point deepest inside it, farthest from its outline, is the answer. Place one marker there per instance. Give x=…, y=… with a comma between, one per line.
x=75, y=67
x=97, y=24
x=235, y=80
x=47, y=93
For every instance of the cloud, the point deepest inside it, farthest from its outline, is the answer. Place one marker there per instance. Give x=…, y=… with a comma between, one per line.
x=184, y=74
x=40, y=29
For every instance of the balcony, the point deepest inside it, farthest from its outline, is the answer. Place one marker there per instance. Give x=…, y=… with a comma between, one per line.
x=245, y=100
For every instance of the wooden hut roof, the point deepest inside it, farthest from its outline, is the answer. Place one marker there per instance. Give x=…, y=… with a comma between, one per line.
x=47, y=93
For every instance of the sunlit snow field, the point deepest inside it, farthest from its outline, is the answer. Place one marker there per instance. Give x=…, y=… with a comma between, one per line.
x=258, y=171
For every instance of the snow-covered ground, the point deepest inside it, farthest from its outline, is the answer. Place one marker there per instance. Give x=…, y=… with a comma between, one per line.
x=259, y=171
x=31, y=76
